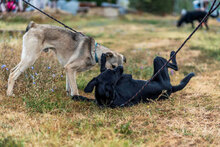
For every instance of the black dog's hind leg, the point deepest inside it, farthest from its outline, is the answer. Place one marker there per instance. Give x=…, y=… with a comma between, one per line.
x=173, y=65
x=103, y=61
x=205, y=22
x=207, y=27
x=159, y=62
x=183, y=83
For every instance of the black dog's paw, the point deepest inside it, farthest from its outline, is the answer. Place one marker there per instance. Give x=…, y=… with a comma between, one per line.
x=82, y=98
x=76, y=98
x=192, y=74
x=103, y=56
x=172, y=53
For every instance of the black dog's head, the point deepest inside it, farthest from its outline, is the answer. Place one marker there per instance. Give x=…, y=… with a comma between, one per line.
x=180, y=22
x=104, y=84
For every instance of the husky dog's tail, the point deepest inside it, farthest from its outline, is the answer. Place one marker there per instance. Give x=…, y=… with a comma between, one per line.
x=30, y=25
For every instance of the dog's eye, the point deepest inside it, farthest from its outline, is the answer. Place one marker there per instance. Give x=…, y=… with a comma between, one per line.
x=113, y=66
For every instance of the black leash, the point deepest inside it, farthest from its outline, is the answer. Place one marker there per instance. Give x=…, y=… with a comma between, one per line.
x=51, y=17
x=152, y=78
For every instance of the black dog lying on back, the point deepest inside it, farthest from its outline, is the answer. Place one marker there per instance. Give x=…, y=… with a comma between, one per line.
x=192, y=16
x=113, y=88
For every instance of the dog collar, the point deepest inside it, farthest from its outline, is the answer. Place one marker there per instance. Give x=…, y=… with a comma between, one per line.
x=96, y=56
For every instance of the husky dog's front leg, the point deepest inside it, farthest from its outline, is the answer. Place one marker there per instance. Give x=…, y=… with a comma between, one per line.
x=71, y=68
x=68, y=90
x=71, y=76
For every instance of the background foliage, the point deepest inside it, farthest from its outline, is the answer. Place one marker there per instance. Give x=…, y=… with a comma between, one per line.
x=182, y=4
x=154, y=6
x=99, y=2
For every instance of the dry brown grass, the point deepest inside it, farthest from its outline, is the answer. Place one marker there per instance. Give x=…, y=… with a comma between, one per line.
x=39, y=117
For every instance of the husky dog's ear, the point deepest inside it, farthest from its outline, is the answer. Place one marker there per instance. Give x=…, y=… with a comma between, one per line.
x=109, y=54
x=124, y=59
x=90, y=86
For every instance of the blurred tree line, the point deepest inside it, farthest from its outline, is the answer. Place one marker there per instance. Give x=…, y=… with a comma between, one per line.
x=182, y=4
x=99, y=2
x=153, y=6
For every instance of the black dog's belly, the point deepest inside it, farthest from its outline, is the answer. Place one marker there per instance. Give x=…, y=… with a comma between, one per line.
x=154, y=90
x=130, y=89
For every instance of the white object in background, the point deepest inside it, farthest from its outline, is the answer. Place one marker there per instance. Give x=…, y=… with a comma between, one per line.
x=36, y=3
x=40, y=3
x=183, y=12
x=2, y=7
x=20, y=5
x=123, y=3
x=71, y=7
x=197, y=4
x=123, y=6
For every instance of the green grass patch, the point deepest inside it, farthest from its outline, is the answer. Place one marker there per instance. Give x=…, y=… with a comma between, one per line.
x=17, y=19
x=208, y=44
x=46, y=101
x=10, y=142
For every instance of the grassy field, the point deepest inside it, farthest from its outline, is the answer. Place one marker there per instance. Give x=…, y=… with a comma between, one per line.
x=42, y=115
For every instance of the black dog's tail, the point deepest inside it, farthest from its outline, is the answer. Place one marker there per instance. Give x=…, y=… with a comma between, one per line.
x=82, y=99
x=183, y=83
x=215, y=16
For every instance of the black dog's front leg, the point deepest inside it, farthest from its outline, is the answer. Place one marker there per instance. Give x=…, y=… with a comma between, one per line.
x=103, y=61
x=207, y=27
x=82, y=98
x=193, y=26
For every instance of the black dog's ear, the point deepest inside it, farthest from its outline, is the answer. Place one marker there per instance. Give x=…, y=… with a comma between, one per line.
x=90, y=86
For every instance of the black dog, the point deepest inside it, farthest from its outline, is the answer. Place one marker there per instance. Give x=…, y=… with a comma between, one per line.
x=192, y=16
x=113, y=88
